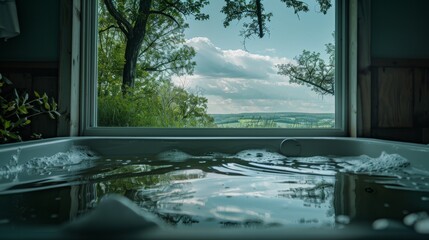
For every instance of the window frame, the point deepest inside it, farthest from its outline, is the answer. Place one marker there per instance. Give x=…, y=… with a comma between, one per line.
x=88, y=113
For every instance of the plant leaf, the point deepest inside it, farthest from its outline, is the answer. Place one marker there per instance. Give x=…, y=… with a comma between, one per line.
x=6, y=80
x=22, y=109
x=25, y=97
x=6, y=124
x=54, y=105
x=11, y=107
x=16, y=95
x=47, y=106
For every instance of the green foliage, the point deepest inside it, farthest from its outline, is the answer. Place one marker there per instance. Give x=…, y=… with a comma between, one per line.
x=157, y=104
x=16, y=110
x=237, y=10
x=300, y=6
x=141, y=94
x=121, y=111
x=254, y=10
x=312, y=71
x=150, y=35
x=151, y=100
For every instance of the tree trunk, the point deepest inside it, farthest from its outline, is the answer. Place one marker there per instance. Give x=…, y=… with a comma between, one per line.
x=135, y=39
x=129, y=72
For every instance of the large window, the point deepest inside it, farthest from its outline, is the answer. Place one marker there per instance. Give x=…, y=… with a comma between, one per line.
x=206, y=67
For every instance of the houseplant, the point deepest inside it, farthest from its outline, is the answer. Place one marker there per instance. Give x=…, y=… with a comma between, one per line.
x=18, y=108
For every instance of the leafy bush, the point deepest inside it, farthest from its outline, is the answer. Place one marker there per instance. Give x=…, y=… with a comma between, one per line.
x=16, y=110
x=160, y=105
x=123, y=111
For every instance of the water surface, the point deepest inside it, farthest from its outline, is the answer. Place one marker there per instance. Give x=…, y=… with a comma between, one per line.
x=255, y=188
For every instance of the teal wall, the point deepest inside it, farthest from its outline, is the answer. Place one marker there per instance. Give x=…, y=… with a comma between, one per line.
x=38, y=41
x=400, y=28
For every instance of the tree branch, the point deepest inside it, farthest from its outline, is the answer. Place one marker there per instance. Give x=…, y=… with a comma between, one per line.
x=123, y=24
x=166, y=15
x=109, y=27
x=156, y=67
x=315, y=85
x=152, y=42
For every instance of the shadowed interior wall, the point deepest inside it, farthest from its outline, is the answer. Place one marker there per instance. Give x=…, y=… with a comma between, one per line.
x=39, y=38
x=399, y=70
x=400, y=29
x=31, y=59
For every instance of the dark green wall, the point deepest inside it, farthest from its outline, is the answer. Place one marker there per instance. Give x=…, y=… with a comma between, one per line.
x=400, y=28
x=38, y=41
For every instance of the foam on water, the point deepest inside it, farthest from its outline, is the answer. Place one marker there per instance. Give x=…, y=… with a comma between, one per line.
x=38, y=165
x=322, y=165
x=356, y=164
x=74, y=156
x=382, y=164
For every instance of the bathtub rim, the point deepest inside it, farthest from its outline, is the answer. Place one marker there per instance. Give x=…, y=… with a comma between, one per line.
x=76, y=140
x=339, y=146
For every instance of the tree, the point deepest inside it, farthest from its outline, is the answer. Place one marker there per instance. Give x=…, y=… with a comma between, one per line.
x=150, y=99
x=311, y=70
x=180, y=108
x=142, y=45
x=254, y=9
x=149, y=23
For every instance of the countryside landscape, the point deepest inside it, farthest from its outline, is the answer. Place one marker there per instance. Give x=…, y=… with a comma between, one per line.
x=275, y=120
x=167, y=69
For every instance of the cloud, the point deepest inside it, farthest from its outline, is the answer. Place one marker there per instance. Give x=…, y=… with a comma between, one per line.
x=236, y=81
x=215, y=62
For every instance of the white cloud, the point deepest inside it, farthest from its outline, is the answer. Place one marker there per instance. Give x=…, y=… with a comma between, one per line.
x=215, y=62
x=237, y=81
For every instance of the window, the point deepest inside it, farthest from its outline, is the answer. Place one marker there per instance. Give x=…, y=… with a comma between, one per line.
x=274, y=73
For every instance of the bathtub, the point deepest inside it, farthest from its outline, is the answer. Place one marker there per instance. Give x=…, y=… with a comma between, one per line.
x=348, y=199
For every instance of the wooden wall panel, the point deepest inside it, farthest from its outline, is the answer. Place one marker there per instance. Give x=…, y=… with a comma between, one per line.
x=400, y=99
x=395, y=97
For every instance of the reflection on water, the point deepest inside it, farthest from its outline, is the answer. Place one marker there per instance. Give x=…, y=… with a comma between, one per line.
x=253, y=188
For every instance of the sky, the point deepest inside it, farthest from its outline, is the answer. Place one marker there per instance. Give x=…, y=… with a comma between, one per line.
x=239, y=79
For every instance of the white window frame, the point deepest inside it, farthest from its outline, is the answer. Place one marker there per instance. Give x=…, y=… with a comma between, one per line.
x=88, y=113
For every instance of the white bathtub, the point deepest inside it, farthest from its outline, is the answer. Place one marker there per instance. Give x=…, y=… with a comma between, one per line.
x=348, y=202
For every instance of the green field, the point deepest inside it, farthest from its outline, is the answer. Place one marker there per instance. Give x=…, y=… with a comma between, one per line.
x=275, y=120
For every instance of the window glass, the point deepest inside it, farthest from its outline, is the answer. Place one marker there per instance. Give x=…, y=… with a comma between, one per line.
x=216, y=64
